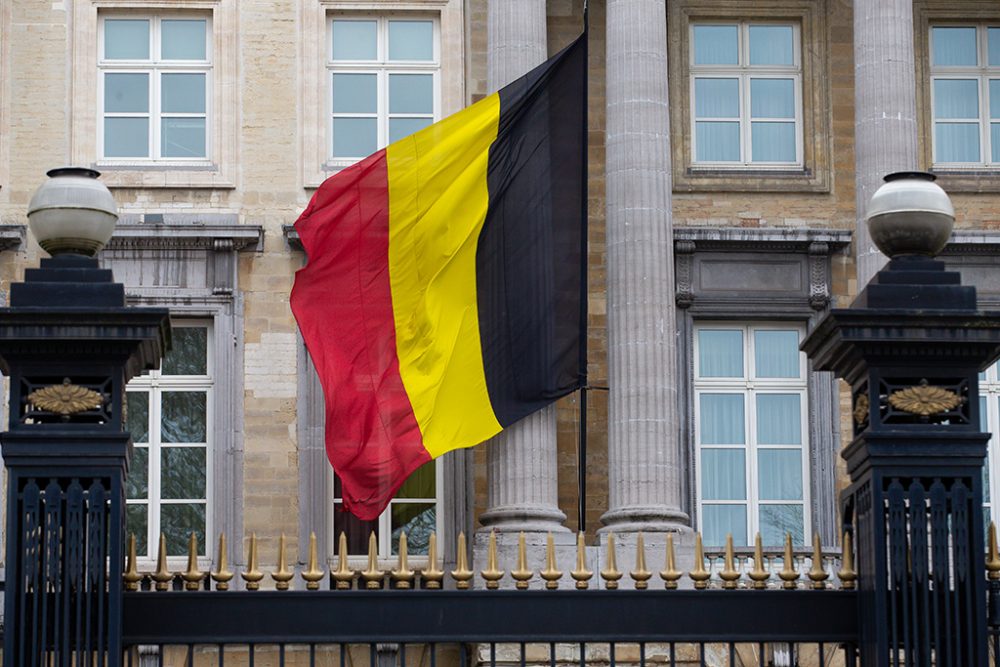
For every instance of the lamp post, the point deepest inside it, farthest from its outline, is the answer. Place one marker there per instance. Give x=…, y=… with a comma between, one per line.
x=911, y=347
x=69, y=344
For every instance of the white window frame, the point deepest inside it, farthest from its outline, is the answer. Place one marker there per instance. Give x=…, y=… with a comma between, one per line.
x=382, y=67
x=989, y=389
x=749, y=387
x=982, y=72
x=155, y=68
x=154, y=383
x=744, y=72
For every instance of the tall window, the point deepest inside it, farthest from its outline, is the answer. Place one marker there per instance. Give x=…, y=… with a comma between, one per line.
x=154, y=82
x=168, y=416
x=383, y=76
x=746, y=95
x=989, y=419
x=965, y=95
x=751, y=433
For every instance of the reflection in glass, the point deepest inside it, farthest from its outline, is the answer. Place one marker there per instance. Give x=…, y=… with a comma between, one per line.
x=137, y=421
x=178, y=521
x=777, y=520
x=183, y=473
x=780, y=473
x=719, y=520
x=418, y=520
x=137, y=522
x=183, y=416
x=189, y=353
x=420, y=484
x=183, y=137
x=137, y=482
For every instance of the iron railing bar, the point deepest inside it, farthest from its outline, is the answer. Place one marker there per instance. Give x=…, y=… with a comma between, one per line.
x=523, y=657
x=642, y=654
x=159, y=655
x=822, y=655
x=433, y=655
x=372, y=654
x=701, y=654
x=611, y=654
x=493, y=654
x=673, y=656
x=732, y=655
x=760, y=653
x=281, y=655
x=583, y=654
x=402, y=655
x=312, y=654
x=552, y=654
x=343, y=657
x=252, y=657
x=222, y=653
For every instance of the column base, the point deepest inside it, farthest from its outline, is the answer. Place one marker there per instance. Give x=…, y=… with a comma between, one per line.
x=526, y=518
x=646, y=518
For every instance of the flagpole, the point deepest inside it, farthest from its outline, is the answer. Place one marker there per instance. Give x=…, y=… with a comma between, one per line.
x=584, y=291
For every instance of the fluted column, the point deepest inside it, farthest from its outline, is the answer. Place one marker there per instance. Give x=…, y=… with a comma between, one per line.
x=522, y=465
x=644, y=452
x=885, y=109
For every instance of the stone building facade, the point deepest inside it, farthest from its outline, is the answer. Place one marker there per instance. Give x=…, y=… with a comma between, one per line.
x=732, y=146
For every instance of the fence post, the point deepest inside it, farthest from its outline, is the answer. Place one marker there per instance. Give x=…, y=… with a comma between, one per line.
x=911, y=347
x=68, y=345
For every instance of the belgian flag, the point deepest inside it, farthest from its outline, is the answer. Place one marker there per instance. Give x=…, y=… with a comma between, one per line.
x=443, y=296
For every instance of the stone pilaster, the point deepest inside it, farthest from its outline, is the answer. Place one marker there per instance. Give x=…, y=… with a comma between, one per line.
x=522, y=464
x=885, y=109
x=644, y=450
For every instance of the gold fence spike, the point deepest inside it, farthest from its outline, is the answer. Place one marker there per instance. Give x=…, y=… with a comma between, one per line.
x=670, y=574
x=131, y=576
x=282, y=576
x=993, y=557
x=581, y=574
x=789, y=574
x=610, y=574
x=817, y=573
x=758, y=574
x=551, y=574
x=403, y=575
x=522, y=575
x=222, y=574
x=252, y=575
x=372, y=575
x=192, y=576
x=433, y=575
x=312, y=575
x=640, y=575
x=162, y=576
x=847, y=575
x=343, y=575
x=492, y=574
x=729, y=574
x=699, y=575
x=461, y=574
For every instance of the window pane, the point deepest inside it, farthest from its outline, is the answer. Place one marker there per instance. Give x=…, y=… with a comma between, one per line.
x=411, y=40
x=137, y=484
x=771, y=45
x=956, y=142
x=772, y=98
x=137, y=420
x=183, y=415
x=780, y=474
x=137, y=522
x=354, y=40
x=354, y=137
x=993, y=38
x=772, y=142
x=355, y=93
x=419, y=520
x=182, y=93
x=719, y=520
x=776, y=353
x=716, y=45
x=953, y=46
x=189, y=353
x=717, y=98
x=183, y=473
x=126, y=137
x=995, y=142
x=717, y=142
x=404, y=127
x=994, y=98
x=182, y=39
x=779, y=419
x=778, y=520
x=720, y=353
x=420, y=484
x=356, y=530
x=126, y=93
x=722, y=419
x=411, y=93
x=126, y=39
x=956, y=98
x=183, y=137
x=178, y=522
x=723, y=474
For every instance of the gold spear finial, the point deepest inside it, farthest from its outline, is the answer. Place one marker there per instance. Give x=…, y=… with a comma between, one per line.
x=192, y=576
x=670, y=574
x=758, y=574
x=640, y=574
x=343, y=575
x=492, y=574
x=611, y=574
x=789, y=573
x=282, y=576
x=699, y=575
x=551, y=574
x=403, y=575
x=993, y=557
x=222, y=574
x=432, y=576
x=312, y=575
x=372, y=575
x=252, y=575
x=847, y=574
x=162, y=576
x=817, y=573
x=730, y=575
x=461, y=574
x=581, y=574
x=131, y=576
x=522, y=575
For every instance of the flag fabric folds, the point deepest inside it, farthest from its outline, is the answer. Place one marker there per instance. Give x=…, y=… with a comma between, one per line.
x=442, y=297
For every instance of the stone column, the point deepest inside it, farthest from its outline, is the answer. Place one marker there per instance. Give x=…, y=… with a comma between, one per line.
x=644, y=450
x=885, y=110
x=522, y=465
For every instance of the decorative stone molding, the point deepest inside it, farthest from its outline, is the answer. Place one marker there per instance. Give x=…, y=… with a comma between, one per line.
x=682, y=266
x=12, y=236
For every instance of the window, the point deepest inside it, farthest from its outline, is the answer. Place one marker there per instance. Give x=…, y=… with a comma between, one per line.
x=746, y=95
x=168, y=414
x=154, y=88
x=383, y=75
x=965, y=95
x=989, y=420
x=751, y=433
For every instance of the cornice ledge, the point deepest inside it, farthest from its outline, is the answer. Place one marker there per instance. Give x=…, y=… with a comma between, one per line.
x=292, y=237
x=222, y=237
x=973, y=243
x=759, y=239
